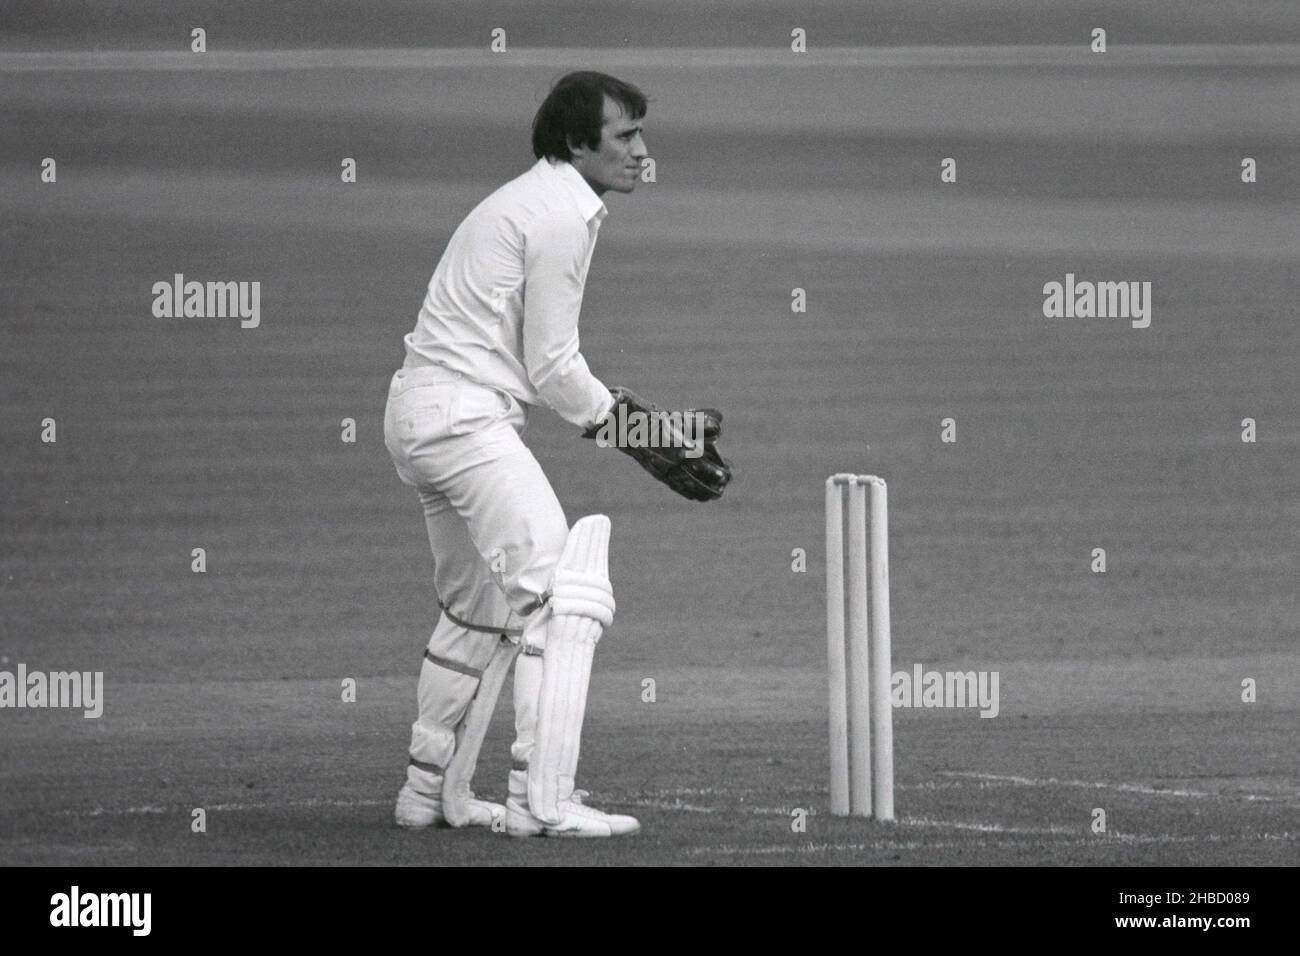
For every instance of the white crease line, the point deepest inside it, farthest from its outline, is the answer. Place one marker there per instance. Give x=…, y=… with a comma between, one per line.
x=317, y=802
x=821, y=848
x=1054, y=782
x=1195, y=838
x=986, y=827
x=308, y=803
x=811, y=848
x=702, y=792
x=1119, y=787
x=931, y=785
x=102, y=811
x=801, y=792
x=281, y=805
x=1093, y=842
x=673, y=805
x=671, y=800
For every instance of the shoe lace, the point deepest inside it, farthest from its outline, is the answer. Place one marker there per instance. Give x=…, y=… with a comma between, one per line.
x=578, y=796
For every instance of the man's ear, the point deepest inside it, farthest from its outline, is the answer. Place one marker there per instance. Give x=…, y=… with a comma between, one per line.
x=576, y=148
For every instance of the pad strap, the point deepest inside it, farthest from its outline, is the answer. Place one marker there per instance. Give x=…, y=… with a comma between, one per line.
x=461, y=622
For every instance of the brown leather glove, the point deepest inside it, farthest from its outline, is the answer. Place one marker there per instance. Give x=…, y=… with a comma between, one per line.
x=677, y=448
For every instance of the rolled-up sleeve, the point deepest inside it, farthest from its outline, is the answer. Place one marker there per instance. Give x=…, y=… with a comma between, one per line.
x=555, y=261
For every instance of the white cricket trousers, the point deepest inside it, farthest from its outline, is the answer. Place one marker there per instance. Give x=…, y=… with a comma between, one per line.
x=497, y=531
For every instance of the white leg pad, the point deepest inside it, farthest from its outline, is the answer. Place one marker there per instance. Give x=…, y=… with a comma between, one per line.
x=581, y=606
x=432, y=746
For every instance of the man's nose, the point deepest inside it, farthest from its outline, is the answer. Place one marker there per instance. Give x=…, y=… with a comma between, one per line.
x=639, y=150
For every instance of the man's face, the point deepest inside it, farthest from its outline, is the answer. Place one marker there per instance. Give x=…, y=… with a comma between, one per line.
x=616, y=163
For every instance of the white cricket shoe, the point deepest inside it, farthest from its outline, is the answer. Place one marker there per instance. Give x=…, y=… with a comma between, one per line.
x=576, y=820
x=418, y=810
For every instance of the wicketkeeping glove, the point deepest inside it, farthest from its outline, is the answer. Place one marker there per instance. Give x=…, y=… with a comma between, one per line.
x=656, y=440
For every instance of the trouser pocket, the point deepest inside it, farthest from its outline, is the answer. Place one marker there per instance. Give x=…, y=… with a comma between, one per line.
x=478, y=408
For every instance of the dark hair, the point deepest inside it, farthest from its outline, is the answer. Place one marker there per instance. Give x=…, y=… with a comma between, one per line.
x=574, y=111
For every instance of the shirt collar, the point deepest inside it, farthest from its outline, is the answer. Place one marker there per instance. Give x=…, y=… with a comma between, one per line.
x=588, y=203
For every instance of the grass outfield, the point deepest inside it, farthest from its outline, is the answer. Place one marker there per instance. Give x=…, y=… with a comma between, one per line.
x=1119, y=691
x=715, y=770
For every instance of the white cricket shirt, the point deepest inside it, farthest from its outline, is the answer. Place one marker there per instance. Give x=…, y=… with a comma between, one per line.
x=502, y=306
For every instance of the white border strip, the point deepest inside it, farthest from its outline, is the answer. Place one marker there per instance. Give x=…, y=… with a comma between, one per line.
x=1073, y=55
